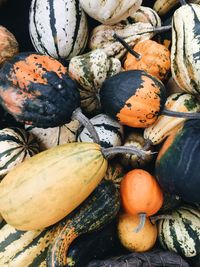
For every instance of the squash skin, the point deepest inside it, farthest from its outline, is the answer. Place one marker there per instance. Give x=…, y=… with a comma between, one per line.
x=36, y=90
x=176, y=173
x=50, y=185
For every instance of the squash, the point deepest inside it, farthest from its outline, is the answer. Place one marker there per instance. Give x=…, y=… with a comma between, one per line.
x=90, y=71
x=110, y=12
x=139, y=242
x=98, y=210
x=141, y=195
x=133, y=97
x=164, y=125
x=51, y=137
x=114, y=173
x=52, y=183
x=110, y=131
x=181, y=232
x=177, y=169
x=8, y=45
x=16, y=145
x=155, y=59
x=185, y=60
x=58, y=28
x=36, y=90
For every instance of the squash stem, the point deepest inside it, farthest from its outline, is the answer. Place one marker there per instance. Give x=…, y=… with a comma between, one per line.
x=141, y=223
x=183, y=2
x=161, y=29
x=186, y=115
x=156, y=218
x=78, y=115
x=127, y=46
x=108, y=152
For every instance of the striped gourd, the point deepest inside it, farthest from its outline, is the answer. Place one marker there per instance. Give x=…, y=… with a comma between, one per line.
x=185, y=53
x=15, y=146
x=164, y=125
x=58, y=28
x=181, y=232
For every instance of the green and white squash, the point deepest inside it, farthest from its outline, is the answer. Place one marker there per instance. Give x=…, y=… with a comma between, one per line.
x=90, y=71
x=15, y=146
x=185, y=53
x=110, y=11
x=58, y=28
x=181, y=232
x=164, y=125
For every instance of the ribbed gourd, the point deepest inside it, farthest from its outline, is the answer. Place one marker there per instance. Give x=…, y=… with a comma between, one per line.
x=185, y=55
x=58, y=28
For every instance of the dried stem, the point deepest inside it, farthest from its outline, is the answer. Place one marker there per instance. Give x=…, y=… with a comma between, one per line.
x=160, y=217
x=183, y=2
x=186, y=115
x=141, y=223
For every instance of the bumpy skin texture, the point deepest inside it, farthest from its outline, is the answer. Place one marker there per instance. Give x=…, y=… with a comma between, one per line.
x=36, y=90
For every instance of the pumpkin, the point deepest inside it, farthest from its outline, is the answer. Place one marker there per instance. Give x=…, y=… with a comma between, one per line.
x=16, y=145
x=140, y=194
x=52, y=183
x=36, y=90
x=177, y=169
x=133, y=97
x=98, y=210
x=155, y=59
x=110, y=131
x=8, y=45
x=110, y=12
x=164, y=125
x=58, y=28
x=90, y=71
x=139, y=242
x=185, y=60
x=51, y=137
x=181, y=232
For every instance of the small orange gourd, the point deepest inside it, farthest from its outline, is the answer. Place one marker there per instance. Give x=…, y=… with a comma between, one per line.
x=141, y=195
x=155, y=59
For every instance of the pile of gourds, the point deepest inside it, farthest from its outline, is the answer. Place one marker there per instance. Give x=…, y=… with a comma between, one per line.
x=100, y=133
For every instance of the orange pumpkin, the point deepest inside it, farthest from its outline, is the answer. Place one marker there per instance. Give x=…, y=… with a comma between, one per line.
x=155, y=59
x=140, y=194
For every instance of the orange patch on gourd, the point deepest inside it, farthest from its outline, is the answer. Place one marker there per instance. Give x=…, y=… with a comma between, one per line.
x=32, y=69
x=142, y=109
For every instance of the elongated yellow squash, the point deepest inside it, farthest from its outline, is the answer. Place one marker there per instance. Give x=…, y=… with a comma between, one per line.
x=45, y=188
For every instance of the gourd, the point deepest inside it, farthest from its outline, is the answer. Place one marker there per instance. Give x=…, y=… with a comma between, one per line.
x=53, y=183
x=16, y=145
x=181, y=232
x=162, y=128
x=98, y=210
x=110, y=131
x=141, y=195
x=90, y=71
x=51, y=137
x=176, y=165
x=133, y=97
x=110, y=12
x=58, y=28
x=155, y=59
x=8, y=45
x=185, y=61
x=138, y=242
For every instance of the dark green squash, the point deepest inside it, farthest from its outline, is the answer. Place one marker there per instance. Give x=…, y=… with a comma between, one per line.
x=177, y=164
x=36, y=90
x=98, y=210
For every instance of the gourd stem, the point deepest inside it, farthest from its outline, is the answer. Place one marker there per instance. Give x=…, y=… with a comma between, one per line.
x=141, y=223
x=183, y=2
x=161, y=29
x=78, y=115
x=127, y=46
x=186, y=115
x=160, y=217
x=108, y=152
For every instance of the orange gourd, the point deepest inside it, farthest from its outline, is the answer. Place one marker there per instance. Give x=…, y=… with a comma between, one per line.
x=155, y=59
x=141, y=195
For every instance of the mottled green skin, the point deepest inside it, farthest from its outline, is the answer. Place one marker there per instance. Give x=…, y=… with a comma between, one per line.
x=178, y=169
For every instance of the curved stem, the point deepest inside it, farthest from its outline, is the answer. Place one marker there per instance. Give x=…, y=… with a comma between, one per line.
x=108, y=152
x=183, y=2
x=141, y=223
x=127, y=46
x=78, y=115
x=160, y=217
x=186, y=115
